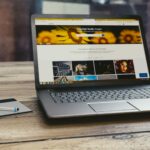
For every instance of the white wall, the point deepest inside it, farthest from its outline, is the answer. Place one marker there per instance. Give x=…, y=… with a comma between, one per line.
x=64, y=8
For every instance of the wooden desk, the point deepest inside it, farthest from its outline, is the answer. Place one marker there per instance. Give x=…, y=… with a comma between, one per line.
x=32, y=131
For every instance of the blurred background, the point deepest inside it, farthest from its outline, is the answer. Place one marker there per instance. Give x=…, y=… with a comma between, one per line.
x=15, y=33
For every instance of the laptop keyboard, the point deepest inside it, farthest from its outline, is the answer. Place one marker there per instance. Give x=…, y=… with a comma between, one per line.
x=100, y=95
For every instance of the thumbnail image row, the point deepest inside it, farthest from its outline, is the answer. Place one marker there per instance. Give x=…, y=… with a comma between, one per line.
x=74, y=68
x=71, y=79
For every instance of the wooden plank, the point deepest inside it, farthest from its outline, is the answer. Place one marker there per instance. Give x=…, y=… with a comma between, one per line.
x=121, y=142
x=22, y=91
x=17, y=80
x=35, y=126
x=16, y=71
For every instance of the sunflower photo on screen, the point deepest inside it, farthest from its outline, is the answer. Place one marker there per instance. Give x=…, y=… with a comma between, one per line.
x=130, y=36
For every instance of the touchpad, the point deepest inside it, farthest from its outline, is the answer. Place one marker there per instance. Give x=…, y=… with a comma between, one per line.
x=112, y=107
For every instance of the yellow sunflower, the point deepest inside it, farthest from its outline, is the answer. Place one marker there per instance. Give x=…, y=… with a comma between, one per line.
x=60, y=36
x=45, y=37
x=130, y=36
x=67, y=35
x=105, y=38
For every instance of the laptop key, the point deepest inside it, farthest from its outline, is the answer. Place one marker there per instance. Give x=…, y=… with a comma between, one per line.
x=99, y=95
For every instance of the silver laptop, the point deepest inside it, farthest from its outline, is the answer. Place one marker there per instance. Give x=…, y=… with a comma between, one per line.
x=90, y=66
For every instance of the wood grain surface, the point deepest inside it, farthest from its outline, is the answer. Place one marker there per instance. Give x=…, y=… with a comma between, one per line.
x=117, y=142
x=17, y=80
x=34, y=131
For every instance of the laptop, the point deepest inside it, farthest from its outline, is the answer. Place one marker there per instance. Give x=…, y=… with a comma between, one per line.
x=88, y=66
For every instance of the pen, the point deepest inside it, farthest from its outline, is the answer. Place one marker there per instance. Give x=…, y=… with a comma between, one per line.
x=14, y=109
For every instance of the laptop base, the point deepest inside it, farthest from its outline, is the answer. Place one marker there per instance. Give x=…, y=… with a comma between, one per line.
x=65, y=110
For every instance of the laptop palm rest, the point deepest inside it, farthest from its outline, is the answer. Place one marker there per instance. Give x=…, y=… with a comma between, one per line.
x=112, y=107
x=141, y=104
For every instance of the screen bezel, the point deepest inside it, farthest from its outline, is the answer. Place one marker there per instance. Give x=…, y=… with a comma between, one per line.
x=89, y=83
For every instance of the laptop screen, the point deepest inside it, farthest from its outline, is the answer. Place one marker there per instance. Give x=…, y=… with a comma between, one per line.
x=84, y=50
